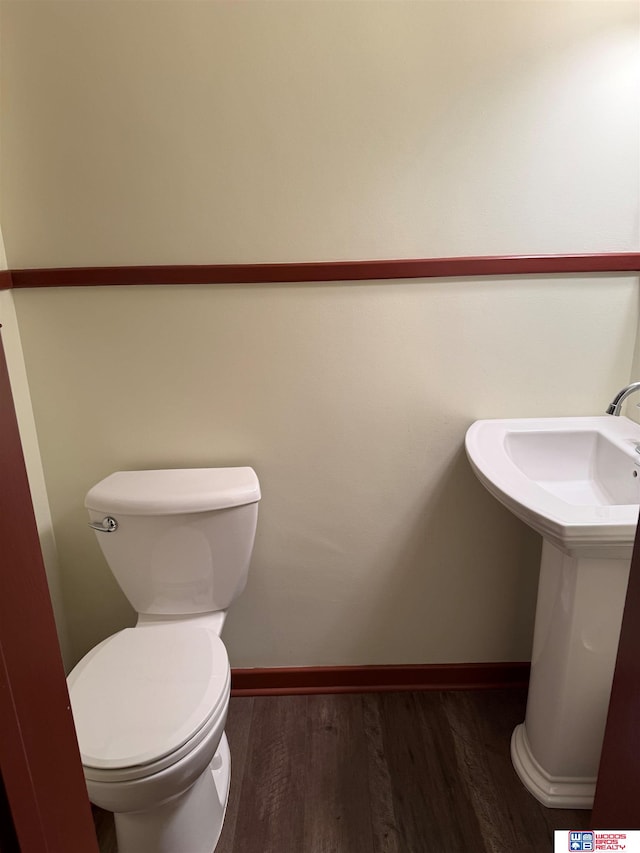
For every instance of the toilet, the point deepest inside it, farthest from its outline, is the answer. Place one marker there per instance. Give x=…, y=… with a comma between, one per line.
x=150, y=702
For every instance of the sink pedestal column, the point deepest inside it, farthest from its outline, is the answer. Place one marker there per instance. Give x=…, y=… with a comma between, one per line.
x=556, y=751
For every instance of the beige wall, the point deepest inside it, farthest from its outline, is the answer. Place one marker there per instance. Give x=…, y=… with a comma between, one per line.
x=196, y=132
x=204, y=132
x=632, y=405
x=375, y=543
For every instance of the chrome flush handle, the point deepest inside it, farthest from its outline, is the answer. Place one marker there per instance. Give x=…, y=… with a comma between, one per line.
x=107, y=525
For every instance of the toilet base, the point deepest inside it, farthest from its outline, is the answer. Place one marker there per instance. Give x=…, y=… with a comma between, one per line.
x=189, y=823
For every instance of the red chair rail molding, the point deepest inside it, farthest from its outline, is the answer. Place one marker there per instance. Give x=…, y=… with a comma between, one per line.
x=469, y=267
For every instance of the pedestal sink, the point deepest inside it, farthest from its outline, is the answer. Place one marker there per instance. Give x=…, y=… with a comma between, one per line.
x=576, y=481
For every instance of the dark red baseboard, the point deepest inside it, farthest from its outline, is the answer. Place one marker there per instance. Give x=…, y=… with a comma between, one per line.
x=281, y=681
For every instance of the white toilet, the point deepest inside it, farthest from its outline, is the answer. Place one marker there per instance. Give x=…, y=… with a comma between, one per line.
x=150, y=703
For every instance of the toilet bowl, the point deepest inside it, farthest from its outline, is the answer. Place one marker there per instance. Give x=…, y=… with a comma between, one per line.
x=150, y=703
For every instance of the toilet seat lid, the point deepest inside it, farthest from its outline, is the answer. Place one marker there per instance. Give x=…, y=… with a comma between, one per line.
x=143, y=693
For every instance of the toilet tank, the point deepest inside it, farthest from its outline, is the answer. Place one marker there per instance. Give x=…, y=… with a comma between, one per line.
x=183, y=539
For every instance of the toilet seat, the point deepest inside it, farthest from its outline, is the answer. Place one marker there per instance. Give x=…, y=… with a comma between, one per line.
x=145, y=697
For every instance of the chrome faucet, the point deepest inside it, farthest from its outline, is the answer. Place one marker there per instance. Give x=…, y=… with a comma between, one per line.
x=616, y=404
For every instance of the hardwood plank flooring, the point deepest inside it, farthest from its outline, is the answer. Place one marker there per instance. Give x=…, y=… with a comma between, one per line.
x=426, y=772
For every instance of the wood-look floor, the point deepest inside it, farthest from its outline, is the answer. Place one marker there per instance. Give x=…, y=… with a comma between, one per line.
x=425, y=772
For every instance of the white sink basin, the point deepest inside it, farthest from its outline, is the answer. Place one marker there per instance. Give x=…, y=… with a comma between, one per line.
x=574, y=480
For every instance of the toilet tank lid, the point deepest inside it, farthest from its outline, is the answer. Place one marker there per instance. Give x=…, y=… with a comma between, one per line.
x=174, y=491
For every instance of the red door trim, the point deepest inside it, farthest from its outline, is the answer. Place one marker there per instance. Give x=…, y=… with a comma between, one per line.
x=39, y=754
x=617, y=799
